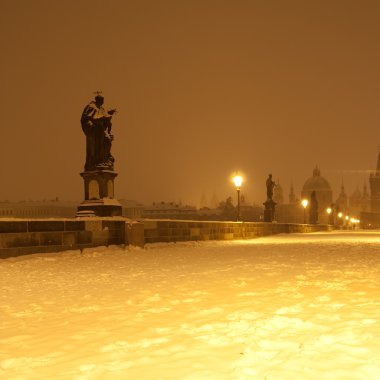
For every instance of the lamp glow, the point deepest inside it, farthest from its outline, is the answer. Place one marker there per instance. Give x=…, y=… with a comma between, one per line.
x=329, y=210
x=238, y=180
x=304, y=203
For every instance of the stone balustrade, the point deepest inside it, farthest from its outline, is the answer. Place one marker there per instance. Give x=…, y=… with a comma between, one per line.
x=20, y=237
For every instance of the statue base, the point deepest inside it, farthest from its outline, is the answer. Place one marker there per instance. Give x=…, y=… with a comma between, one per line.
x=99, y=194
x=99, y=207
x=269, y=211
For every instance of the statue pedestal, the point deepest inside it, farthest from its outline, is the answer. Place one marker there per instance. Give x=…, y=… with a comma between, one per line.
x=269, y=210
x=99, y=194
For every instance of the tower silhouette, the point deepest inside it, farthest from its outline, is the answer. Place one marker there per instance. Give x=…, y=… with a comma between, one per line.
x=374, y=184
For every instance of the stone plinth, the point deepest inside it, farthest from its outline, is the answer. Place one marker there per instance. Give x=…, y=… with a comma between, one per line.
x=99, y=194
x=269, y=211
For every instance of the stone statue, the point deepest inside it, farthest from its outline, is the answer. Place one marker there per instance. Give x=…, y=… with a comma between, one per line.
x=96, y=125
x=270, y=185
x=313, y=217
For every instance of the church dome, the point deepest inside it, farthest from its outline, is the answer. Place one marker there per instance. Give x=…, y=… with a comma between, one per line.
x=316, y=183
x=322, y=191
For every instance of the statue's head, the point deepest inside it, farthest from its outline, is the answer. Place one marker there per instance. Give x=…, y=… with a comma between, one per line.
x=270, y=175
x=99, y=99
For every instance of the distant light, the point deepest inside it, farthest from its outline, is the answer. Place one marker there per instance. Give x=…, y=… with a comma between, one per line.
x=347, y=217
x=329, y=211
x=353, y=220
x=305, y=202
x=340, y=215
x=238, y=180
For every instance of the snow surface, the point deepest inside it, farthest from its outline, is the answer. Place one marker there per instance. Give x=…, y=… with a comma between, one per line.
x=301, y=306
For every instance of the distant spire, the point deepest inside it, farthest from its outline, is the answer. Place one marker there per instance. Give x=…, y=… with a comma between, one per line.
x=292, y=196
x=203, y=201
x=316, y=171
x=378, y=161
x=365, y=191
x=214, y=203
x=278, y=196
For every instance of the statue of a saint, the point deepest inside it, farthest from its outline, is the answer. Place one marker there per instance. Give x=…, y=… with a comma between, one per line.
x=270, y=185
x=96, y=124
x=313, y=216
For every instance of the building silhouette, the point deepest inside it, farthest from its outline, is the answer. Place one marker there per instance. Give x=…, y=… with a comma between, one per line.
x=371, y=218
x=374, y=183
x=323, y=193
x=278, y=194
x=341, y=202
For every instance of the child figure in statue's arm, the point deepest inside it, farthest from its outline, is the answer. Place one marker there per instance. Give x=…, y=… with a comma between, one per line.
x=109, y=124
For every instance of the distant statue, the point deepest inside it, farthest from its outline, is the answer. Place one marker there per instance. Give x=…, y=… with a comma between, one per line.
x=270, y=186
x=313, y=208
x=96, y=124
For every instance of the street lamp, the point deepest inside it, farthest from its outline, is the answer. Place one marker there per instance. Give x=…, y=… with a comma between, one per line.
x=304, y=203
x=340, y=219
x=330, y=216
x=238, y=180
x=347, y=218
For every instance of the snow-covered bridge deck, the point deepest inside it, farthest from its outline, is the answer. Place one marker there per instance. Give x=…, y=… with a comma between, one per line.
x=304, y=306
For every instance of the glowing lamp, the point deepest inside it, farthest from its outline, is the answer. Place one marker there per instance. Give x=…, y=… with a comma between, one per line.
x=238, y=180
x=304, y=203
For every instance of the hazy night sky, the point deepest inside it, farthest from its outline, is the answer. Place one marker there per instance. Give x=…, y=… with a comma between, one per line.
x=202, y=88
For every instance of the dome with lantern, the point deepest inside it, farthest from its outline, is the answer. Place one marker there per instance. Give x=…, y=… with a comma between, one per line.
x=321, y=187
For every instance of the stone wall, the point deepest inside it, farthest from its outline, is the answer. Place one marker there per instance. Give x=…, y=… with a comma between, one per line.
x=20, y=237
x=370, y=220
x=172, y=231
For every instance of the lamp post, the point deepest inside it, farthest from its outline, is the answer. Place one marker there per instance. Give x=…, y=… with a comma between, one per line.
x=347, y=218
x=238, y=180
x=340, y=220
x=329, y=212
x=304, y=203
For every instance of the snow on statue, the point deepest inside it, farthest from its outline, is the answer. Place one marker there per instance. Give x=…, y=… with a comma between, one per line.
x=96, y=124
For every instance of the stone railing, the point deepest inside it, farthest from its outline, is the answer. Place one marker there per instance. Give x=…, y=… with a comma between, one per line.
x=20, y=237
x=172, y=231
